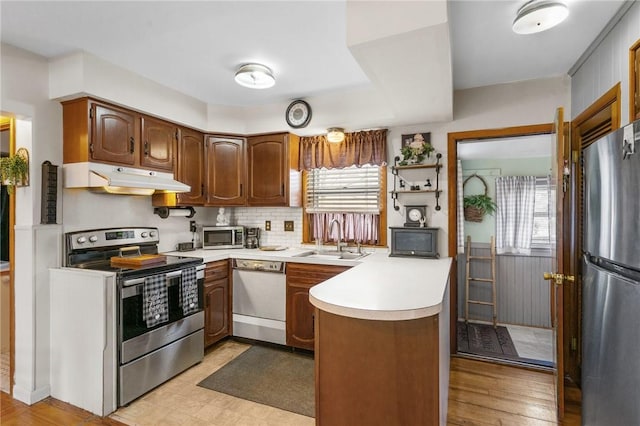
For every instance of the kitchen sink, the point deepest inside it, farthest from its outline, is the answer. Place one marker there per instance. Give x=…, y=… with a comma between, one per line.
x=332, y=254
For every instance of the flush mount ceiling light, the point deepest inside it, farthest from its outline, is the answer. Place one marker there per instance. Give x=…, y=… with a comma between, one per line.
x=539, y=15
x=335, y=134
x=255, y=76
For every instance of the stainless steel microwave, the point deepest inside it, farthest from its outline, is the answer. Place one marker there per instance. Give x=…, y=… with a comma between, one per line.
x=414, y=242
x=222, y=237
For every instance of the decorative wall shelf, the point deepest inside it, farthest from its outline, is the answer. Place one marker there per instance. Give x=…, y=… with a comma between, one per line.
x=403, y=186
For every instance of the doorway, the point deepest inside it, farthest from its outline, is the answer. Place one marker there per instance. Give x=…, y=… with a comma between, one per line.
x=504, y=305
x=474, y=140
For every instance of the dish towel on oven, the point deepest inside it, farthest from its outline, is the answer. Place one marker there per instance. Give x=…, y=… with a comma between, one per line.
x=189, y=291
x=155, y=300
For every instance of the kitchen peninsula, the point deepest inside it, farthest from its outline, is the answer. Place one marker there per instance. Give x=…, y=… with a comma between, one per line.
x=381, y=337
x=382, y=343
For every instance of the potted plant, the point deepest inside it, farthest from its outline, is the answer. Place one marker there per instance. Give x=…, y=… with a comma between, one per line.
x=14, y=170
x=476, y=206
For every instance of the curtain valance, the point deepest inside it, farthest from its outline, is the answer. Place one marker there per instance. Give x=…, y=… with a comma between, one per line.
x=358, y=148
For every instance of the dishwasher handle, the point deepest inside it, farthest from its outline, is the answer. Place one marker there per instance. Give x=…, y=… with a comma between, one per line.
x=272, y=266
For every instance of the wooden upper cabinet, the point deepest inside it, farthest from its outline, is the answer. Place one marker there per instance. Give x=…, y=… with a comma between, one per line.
x=191, y=167
x=189, y=170
x=158, y=144
x=99, y=132
x=272, y=175
x=114, y=135
x=225, y=170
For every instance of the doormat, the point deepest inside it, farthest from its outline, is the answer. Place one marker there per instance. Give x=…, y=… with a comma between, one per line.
x=483, y=339
x=269, y=376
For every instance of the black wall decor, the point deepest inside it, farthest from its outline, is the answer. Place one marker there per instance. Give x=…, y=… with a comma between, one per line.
x=48, y=207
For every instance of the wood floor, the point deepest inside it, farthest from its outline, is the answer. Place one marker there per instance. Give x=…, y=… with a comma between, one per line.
x=47, y=412
x=480, y=393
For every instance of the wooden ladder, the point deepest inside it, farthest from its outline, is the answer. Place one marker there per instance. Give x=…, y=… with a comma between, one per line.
x=491, y=280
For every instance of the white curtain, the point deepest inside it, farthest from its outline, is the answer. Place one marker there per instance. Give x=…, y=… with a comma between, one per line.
x=515, y=198
x=359, y=227
x=460, y=209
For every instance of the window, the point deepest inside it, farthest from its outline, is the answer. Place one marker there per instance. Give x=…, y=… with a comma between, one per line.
x=544, y=233
x=354, y=196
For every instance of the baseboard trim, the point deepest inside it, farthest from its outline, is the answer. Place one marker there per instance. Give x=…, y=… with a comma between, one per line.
x=31, y=397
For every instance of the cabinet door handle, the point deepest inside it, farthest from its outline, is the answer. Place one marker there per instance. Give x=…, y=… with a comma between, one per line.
x=241, y=190
x=313, y=323
x=146, y=148
x=132, y=143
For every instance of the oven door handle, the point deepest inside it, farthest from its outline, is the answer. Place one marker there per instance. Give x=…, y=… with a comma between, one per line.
x=133, y=287
x=137, y=281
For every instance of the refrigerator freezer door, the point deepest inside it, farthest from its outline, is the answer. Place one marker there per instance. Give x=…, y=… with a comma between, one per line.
x=612, y=198
x=610, y=345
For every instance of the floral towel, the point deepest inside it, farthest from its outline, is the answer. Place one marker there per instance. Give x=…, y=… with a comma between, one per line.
x=189, y=291
x=155, y=300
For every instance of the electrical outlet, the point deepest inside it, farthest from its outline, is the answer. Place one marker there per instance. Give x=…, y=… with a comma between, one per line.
x=192, y=226
x=288, y=225
x=267, y=225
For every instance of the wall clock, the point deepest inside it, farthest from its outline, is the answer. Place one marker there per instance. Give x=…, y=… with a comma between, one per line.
x=415, y=214
x=298, y=114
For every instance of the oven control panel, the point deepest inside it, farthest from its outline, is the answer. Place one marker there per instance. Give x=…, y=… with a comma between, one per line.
x=98, y=238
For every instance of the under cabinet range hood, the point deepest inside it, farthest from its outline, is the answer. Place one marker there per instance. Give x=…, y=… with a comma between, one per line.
x=119, y=180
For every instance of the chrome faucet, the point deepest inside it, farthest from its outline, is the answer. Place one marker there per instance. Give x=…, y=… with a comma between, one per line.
x=339, y=244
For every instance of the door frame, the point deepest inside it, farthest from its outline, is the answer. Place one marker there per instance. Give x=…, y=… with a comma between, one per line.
x=8, y=123
x=452, y=191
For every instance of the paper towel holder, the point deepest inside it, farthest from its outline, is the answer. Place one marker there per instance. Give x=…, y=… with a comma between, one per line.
x=165, y=212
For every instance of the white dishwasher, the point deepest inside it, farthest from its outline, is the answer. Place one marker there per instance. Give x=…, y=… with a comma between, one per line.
x=259, y=300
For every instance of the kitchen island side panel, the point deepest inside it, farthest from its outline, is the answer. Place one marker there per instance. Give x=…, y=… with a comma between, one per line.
x=377, y=372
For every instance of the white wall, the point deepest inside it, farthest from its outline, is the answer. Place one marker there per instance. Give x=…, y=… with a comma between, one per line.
x=82, y=73
x=607, y=65
x=504, y=105
x=24, y=90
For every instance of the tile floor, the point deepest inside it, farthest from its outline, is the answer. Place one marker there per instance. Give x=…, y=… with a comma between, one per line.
x=181, y=401
x=532, y=342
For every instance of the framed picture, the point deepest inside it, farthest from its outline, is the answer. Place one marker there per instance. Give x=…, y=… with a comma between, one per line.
x=416, y=137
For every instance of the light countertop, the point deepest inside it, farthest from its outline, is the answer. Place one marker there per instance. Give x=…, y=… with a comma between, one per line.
x=377, y=287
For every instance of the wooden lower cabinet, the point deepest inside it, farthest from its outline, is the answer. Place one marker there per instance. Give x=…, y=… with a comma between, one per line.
x=300, y=312
x=217, y=302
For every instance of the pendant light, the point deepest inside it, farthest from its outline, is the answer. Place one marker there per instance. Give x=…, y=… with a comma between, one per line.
x=539, y=15
x=335, y=134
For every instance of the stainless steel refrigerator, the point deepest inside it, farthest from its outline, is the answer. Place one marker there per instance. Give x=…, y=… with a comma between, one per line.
x=611, y=280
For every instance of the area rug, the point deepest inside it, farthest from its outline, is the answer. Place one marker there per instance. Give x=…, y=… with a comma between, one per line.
x=269, y=376
x=483, y=339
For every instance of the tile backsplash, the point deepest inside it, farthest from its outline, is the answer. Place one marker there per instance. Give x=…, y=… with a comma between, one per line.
x=256, y=217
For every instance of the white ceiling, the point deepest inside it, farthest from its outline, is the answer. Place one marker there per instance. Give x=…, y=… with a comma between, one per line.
x=195, y=47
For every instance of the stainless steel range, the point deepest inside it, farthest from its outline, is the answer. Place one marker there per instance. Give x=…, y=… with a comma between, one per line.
x=156, y=308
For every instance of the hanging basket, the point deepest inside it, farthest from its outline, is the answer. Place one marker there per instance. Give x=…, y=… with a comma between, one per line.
x=472, y=213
